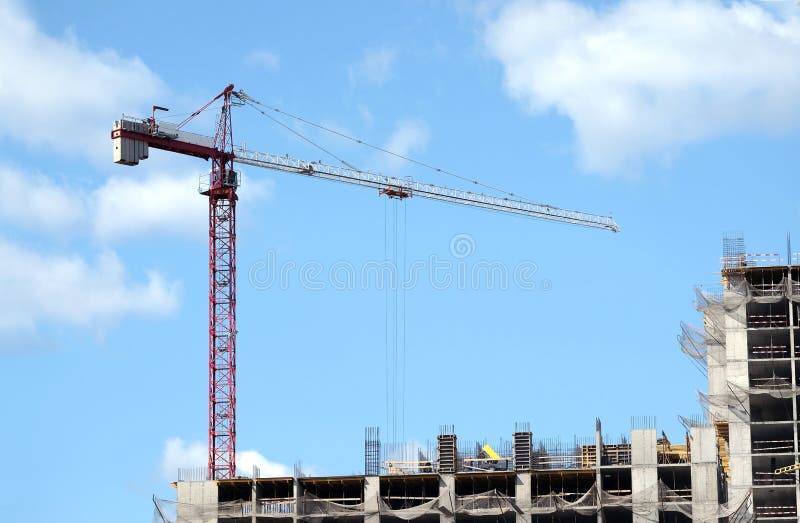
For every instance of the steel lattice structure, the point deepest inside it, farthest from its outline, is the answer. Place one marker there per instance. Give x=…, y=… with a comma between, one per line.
x=222, y=336
x=222, y=302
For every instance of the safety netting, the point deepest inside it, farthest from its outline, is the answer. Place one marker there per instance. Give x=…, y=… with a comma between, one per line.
x=167, y=511
x=733, y=401
x=439, y=504
x=670, y=500
x=312, y=506
x=658, y=497
x=776, y=387
x=707, y=345
x=487, y=503
x=708, y=342
x=714, y=309
x=692, y=341
x=742, y=291
x=586, y=504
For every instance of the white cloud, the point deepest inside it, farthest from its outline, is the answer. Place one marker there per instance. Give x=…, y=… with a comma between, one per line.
x=160, y=204
x=255, y=188
x=264, y=58
x=641, y=79
x=374, y=67
x=409, y=136
x=67, y=289
x=181, y=454
x=57, y=94
x=157, y=204
x=46, y=206
x=245, y=461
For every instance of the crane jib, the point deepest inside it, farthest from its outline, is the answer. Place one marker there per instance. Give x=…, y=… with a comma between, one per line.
x=132, y=131
x=394, y=187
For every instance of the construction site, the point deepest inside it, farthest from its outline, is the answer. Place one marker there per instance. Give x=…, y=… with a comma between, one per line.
x=737, y=462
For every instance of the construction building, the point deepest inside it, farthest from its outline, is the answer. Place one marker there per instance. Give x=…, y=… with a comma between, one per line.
x=725, y=468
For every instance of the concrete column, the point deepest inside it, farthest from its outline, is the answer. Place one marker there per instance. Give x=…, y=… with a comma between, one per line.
x=792, y=322
x=704, y=468
x=254, y=497
x=738, y=374
x=598, y=463
x=447, y=493
x=522, y=496
x=644, y=475
x=297, y=489
x=372, y=491
x=197, y=501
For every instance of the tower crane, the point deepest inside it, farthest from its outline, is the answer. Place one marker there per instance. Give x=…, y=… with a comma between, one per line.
x=132, y=138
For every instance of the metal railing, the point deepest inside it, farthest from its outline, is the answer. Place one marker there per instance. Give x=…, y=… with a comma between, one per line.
x=761, y=321
x=770, y=478
x=775, y=446
x=741, y=261
x=776, y=511
x=276, y=506
x=769, y=351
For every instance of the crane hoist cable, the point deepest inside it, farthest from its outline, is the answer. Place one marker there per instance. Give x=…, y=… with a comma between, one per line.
x=395, y=248
x=304, y=138
x=387, y=351
x=402, y=284
x=253, y=102
x=394, y=338
x=395, y=346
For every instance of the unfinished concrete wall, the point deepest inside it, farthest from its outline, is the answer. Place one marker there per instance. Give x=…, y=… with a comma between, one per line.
x=254, y=496
x=447, y=492
x=716, y=364
x=705, y=471
x=372, y=492
x=197, y=501
x=644, y=475
x=522, y=493
x=737, y=375
x=598, y=461
x=297, y=491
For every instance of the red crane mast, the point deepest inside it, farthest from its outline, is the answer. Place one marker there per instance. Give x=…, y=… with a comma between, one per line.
x=221, y=191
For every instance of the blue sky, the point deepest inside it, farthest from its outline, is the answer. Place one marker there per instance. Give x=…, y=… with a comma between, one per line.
x=680, y=118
